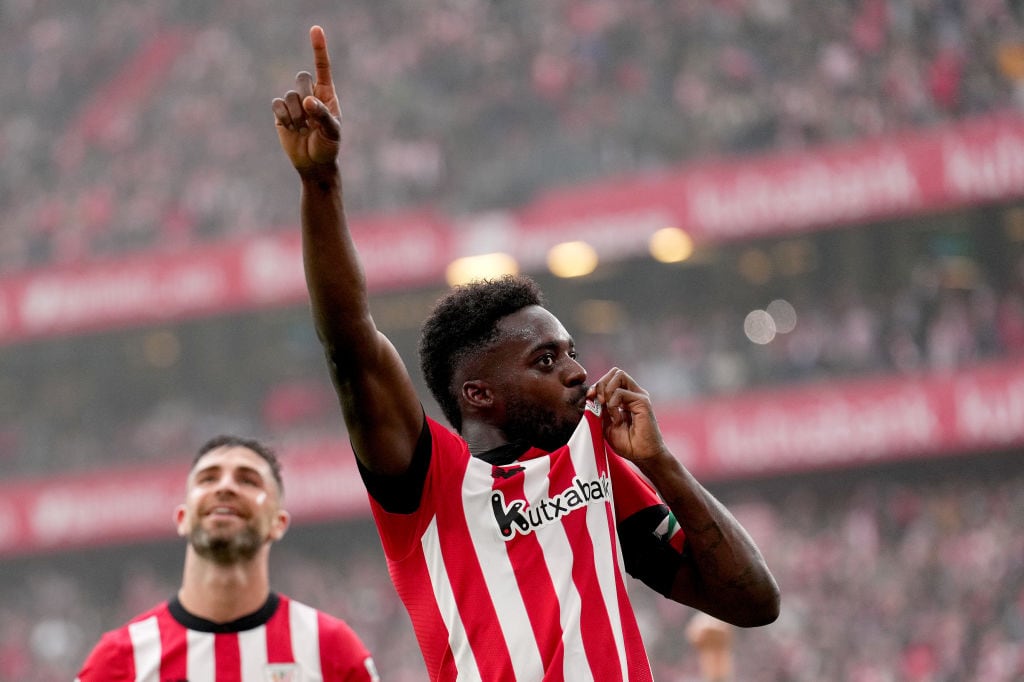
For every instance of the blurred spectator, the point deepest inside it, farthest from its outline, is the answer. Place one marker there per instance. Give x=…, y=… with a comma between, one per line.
x=712, y=639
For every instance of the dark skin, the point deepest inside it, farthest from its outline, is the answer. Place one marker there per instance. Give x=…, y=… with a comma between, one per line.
x=533, y=366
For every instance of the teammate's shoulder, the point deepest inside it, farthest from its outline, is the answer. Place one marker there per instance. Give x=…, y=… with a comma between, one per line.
x=348, y=653
x=111, y=658
x=293, y=604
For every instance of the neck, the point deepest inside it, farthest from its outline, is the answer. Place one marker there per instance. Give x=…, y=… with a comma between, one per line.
x=481, y=437
x=222, y=593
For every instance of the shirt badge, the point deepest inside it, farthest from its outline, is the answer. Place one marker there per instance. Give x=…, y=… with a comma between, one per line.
x=282, y=672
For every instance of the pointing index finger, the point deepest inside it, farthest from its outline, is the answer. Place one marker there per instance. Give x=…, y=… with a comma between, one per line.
x=320, y=57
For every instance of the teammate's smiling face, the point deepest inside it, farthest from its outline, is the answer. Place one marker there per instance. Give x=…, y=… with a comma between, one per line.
x=232, y=506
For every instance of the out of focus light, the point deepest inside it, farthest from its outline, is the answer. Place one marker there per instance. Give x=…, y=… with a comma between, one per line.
x=759, y=327
x=755, y=266
x=572, y=259
x=484, y=266
x=671, y=245
x=595, y=316
x=161, y=349
x=783, y=314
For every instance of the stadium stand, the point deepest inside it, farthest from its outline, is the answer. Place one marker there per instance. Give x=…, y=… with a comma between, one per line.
x=143, y=125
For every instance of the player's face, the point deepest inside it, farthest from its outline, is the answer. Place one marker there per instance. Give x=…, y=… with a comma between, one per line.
x=537, y=378
x=232, y=506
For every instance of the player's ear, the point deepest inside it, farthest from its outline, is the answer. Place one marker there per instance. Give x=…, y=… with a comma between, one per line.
x=180, y=517
x=282, y=520
x=477, y=393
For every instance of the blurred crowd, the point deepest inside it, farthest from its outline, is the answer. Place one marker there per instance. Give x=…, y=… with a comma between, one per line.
x=901, y=575
x=142, y=394
x=946, y=314
x=146, y=125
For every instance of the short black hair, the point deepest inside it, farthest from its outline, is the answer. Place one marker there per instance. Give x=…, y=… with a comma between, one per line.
x=462, y=322
x=259, y=447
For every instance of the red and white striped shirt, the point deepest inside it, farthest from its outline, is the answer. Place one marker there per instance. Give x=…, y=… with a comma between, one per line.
x=514, y=572
x=285, y=641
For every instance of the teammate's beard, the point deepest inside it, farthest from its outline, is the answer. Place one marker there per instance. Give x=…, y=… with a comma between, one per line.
x=241, y=546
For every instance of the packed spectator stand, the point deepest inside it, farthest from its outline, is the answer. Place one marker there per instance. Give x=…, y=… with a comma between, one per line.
x=144, y=128
x=144, y=125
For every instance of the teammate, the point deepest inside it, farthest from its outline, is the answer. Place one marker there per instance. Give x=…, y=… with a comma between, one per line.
x=506, y=540
x=225, y=623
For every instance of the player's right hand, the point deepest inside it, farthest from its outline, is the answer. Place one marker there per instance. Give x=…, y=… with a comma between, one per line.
x=308, y=118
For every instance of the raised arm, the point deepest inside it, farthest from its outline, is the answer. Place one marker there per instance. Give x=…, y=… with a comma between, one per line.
x=723, y=574
x=378, y=400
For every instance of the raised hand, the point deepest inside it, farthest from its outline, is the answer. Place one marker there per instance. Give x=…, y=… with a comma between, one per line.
x=308, y=118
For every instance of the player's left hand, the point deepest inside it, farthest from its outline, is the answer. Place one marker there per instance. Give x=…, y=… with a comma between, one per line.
x=308, y=118
x=630, y=427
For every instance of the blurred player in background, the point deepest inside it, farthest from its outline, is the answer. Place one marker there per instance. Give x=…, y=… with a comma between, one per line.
x=505, y=541
x=225, y=623
x=712, y=639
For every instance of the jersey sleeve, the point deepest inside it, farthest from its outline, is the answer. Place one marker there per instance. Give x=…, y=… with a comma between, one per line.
x=110, y=660
x=632, y=491
x=400, y=531
x=401, y=494
x=343, y=656
x=653, y=545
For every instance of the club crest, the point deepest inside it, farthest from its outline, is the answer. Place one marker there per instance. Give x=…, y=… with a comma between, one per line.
x=282, y=672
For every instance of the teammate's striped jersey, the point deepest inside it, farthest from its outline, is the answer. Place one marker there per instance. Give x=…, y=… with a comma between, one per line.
x=285, y=641
x=514, y=572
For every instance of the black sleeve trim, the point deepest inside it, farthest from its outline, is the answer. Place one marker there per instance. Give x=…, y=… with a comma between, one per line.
x=401, y=494
x=647, y=557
